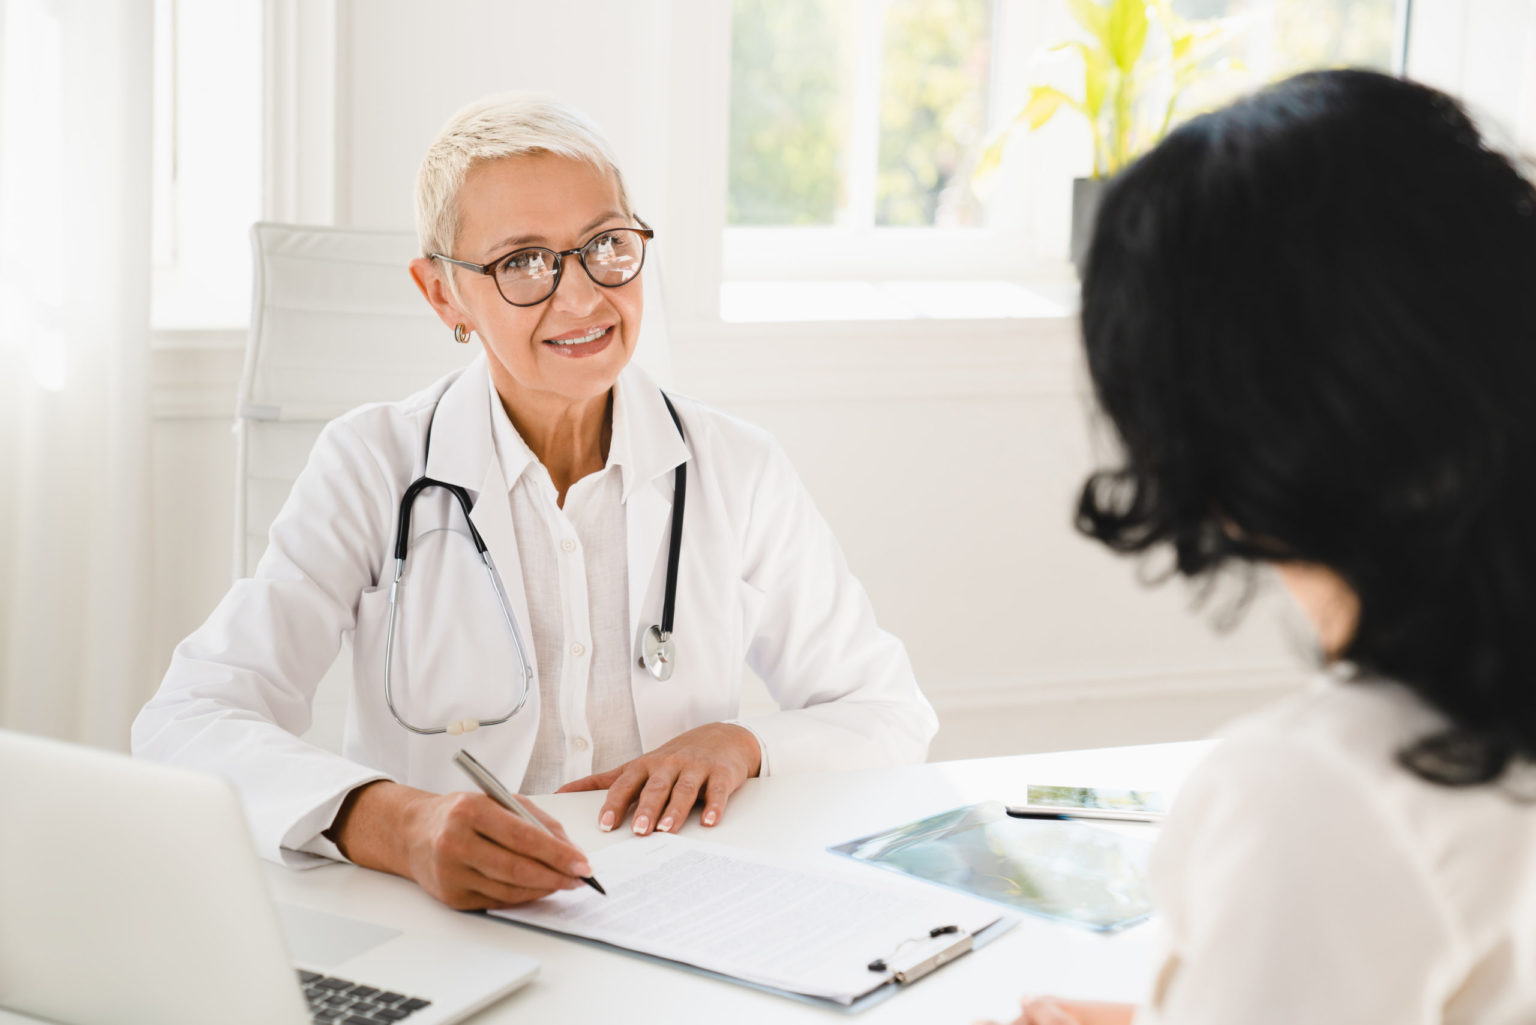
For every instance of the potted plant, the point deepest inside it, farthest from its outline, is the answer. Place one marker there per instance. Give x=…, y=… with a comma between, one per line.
x=1131, y=90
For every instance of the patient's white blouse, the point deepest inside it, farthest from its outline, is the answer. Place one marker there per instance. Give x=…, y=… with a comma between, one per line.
x=1305, y=878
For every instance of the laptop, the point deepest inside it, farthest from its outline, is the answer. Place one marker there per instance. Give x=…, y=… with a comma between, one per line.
x=131, y=894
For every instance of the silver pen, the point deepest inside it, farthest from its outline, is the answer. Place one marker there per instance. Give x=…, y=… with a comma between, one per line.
x=498, y=793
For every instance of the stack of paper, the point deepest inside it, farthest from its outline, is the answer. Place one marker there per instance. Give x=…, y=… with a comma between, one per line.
x=798, y=926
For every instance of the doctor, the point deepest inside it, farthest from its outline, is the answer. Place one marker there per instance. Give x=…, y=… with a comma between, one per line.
x=576, y=471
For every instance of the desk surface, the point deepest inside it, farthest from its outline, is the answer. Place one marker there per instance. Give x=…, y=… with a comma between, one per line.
x=578, y=982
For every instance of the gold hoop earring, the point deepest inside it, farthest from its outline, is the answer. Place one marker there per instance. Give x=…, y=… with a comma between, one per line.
x=460, y=333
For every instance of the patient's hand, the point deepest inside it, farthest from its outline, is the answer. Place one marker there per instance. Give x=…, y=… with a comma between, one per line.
x=711, y=761
x=1049, y=1011
x=464, y=849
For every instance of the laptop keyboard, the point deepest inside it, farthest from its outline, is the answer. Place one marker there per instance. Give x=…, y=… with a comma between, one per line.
x=334, y=1001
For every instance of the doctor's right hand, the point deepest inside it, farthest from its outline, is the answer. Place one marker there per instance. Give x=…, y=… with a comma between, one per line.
x=464, y=849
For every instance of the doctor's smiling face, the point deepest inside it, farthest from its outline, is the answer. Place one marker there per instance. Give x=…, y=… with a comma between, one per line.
x=563, y=354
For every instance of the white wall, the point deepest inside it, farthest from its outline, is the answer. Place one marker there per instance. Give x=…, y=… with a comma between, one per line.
x=946, y=455
x=1484, y=53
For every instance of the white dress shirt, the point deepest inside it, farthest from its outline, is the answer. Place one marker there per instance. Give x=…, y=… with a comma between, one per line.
x=1304, y=876
x=576, y=576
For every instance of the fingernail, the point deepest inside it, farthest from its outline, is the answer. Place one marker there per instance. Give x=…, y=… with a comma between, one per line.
x=606, y=823
x=666, y=824
x=641, y=822
x=581, y=868
x=709, y=818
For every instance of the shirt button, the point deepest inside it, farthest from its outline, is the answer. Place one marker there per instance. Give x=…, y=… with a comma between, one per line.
x=568, y=544
x=580, y=743
x=578, y=649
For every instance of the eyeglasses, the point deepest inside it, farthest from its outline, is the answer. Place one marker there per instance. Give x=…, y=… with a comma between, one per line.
x=526, y=277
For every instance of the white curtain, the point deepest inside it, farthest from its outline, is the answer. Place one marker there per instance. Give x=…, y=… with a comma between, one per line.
x=75, y=148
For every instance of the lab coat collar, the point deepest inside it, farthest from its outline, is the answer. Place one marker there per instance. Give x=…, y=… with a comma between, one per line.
x=645, y=440
x=461, y=444
x=471, y=430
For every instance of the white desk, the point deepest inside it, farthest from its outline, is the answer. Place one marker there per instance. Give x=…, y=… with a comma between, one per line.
x=579, y=983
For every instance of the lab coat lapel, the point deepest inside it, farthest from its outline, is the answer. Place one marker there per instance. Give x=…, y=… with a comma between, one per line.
x=649, y=448
x=461, y=443
x=648, y=522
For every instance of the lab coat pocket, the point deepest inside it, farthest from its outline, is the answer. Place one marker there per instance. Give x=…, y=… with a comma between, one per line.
x=368, y=633
x=452, y=655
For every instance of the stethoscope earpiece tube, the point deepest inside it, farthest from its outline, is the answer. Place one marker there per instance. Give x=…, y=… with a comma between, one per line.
x=420, y=484
x=679, y=501
x=402, y=535
x=658, y=652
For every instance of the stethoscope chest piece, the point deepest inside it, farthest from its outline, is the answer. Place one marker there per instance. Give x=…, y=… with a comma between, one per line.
x=657, y=653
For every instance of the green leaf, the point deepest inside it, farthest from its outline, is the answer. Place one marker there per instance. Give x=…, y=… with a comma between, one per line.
x=1127, y=32
x=991, y=157
x=1095, y=74
x=1196, y=62
x=1093, y=17
x=1043, y=103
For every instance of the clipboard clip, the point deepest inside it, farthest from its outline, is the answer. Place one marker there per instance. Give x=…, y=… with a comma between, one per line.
x=906, y=973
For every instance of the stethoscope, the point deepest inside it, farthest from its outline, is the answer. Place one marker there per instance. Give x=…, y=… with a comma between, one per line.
x=658, y=653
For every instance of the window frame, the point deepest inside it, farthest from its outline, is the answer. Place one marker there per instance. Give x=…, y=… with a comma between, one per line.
x=200, y=274
x=1037, y=175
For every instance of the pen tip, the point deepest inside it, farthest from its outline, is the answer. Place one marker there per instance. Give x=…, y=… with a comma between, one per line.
x=594, y=884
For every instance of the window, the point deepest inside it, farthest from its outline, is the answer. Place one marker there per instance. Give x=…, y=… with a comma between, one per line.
x=856, y=127
x=1281, y=38
x=207, y=161
x=857, y=114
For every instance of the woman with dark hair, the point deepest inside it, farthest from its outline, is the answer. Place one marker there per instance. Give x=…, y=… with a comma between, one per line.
x=1311, y=317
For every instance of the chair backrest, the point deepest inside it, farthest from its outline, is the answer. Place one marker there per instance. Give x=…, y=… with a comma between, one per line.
x=337, y=322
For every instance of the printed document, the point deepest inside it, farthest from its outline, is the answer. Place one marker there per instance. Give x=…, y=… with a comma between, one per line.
x=794, y=925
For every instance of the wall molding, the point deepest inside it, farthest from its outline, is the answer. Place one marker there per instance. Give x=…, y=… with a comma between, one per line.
x=924, y=359
x=194, y=374
x=196, y=380
x=1108, y=711
x=1024, y=692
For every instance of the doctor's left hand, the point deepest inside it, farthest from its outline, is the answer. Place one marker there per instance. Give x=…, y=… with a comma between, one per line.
x=712, y=761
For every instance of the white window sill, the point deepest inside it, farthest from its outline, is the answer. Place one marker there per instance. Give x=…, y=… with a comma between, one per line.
x=181, y=339
x=769, y=302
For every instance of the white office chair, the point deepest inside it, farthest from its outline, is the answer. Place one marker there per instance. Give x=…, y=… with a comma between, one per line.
x=337, y=322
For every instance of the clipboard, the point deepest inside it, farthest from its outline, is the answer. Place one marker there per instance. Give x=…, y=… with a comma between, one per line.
x=883, y=992
x=798, y=925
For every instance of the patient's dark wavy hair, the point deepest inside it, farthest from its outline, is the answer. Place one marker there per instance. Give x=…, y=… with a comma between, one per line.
x=1311, y=317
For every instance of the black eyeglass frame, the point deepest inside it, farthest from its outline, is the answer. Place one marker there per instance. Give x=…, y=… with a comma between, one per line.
x=489, y=269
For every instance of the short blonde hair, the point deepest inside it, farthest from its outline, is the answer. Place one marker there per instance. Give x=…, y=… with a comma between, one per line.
x=503, y=125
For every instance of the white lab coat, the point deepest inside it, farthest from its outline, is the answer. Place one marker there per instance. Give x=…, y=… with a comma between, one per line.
x=762, y=582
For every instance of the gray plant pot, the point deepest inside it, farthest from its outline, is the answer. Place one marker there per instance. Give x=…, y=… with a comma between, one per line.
x=1086, y=195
